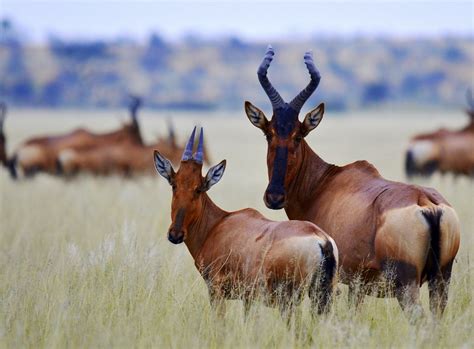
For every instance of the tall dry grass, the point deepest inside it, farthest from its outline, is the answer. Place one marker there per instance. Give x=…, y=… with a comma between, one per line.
x=86, y=263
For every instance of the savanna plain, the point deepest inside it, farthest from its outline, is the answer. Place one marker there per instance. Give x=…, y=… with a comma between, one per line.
x=86, y=262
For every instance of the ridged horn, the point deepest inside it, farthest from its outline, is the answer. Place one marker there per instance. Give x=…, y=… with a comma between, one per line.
x=188, y=151
x=298, y=102
x=199, y=155
x=470, y=99
x=272, y=93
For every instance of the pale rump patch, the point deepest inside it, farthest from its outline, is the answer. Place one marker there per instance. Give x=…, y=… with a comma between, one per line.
x=403, y=236
x=29, y=155
x=450, y=234
x=304, y=252
x=423, y=151
x=66, y=156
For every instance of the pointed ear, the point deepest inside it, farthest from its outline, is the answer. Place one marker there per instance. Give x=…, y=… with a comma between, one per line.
x=256, y=116
x=164, y=167
x=214, y=175
x=312, y=119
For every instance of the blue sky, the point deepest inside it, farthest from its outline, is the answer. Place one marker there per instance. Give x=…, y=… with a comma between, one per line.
x=256, y=20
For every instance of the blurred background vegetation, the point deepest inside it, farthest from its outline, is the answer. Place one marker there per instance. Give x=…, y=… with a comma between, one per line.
x=197, y=73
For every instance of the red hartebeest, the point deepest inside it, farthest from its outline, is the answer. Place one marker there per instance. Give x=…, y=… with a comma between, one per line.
x=383, y=229
x=443, y=150
x=40, y=154
x=121, y=159
x=242, y=255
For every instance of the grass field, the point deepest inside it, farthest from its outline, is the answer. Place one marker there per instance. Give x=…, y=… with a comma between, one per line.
x=86, y=263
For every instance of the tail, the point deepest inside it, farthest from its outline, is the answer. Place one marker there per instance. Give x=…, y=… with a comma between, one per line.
x=433, y=262
x=11, y=165
x=328, y=265
x=59, y=167
x=322, y=283
x=410, y=166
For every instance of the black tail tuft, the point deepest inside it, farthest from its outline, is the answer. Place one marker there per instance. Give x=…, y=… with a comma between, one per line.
x=329, y=262
x=432, y=268
x=11, y=165
x=59, y=168
x=410, y=166
x=321, y=288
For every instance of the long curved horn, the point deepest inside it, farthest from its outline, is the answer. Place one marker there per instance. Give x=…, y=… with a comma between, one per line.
x=298, y=102
x=275, y=98
x=199, y=155
x=188, y=151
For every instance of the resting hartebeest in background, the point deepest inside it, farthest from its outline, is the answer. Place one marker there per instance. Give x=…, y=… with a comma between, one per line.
x=443, y=150
x=121, y=159
x=40, y=154
x=241, y=254
x=383, y=229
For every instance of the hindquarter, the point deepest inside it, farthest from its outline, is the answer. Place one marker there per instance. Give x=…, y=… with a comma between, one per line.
x=403, y=236
x=260, y=257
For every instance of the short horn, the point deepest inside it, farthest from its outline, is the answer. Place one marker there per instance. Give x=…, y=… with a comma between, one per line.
x=298, y=102
x=199, y=155
x=272, y=93
x=470, y=99
x=188, y=151
x=134, y=105
x=3, y=112
x=171, y=133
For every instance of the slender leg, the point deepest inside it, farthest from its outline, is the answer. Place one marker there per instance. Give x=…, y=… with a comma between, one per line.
x=408, y=297
x=247, y=305
x=286, y=308
x=356, y=294
x=438, y=289
x=217, y=302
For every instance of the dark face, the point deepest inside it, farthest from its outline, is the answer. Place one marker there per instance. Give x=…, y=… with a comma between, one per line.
x=188, y=189
x=284, y=134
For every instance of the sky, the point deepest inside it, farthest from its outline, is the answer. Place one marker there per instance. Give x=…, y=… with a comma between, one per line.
x=252, y=20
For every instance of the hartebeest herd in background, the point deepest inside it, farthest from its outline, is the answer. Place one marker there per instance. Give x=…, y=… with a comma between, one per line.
x=446, y=151
x=381, y=237
x=121, y=152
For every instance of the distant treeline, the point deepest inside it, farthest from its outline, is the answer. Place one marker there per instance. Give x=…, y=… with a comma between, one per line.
x=208, y=74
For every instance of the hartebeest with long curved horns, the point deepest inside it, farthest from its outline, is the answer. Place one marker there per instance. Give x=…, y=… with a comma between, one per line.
x=243, y=255
x=446, y=151
x=383, y=229
x=40, y=154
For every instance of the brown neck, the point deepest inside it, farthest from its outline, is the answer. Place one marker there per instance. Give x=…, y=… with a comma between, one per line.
x=209, y=216
x=309, y=181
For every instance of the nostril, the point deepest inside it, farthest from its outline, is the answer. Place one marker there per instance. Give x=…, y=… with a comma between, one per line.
x=275, y=198
x=175, y=238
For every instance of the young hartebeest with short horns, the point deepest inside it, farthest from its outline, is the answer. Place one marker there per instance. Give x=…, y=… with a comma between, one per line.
x=382, y=228
x=243, y=255
x=446, y=151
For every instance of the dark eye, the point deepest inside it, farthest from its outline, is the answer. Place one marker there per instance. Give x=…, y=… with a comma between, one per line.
x=298, y=139
x=269, y=137
x=173, y=186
